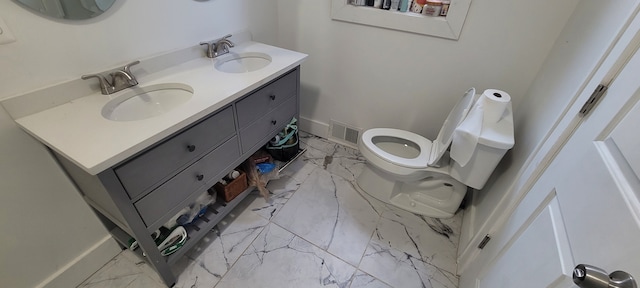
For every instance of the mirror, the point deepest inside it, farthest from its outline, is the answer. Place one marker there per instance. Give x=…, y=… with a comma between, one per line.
x=68, y=9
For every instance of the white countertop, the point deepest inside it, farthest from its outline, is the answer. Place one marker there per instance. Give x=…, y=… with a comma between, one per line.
x=78, y=131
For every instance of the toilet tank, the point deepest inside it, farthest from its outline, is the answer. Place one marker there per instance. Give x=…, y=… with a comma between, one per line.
x=476, y=173
x=494, y=141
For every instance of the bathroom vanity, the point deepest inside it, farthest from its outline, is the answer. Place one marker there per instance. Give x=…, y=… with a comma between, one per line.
x=142, y=183
x=137, y=196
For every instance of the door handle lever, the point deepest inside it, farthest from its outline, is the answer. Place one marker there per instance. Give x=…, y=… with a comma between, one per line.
x=587, y=276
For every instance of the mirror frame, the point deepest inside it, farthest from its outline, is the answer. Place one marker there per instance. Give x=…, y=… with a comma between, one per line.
x=67, y=9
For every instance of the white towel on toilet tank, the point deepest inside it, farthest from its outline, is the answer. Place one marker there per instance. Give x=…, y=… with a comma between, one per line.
x=488, y=110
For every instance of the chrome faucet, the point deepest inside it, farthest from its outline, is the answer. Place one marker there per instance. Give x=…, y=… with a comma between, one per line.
x=120, y=79
x=223, y=45
x=218, y=47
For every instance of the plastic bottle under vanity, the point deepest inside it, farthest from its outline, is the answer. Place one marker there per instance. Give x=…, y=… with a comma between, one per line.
x=233, y=174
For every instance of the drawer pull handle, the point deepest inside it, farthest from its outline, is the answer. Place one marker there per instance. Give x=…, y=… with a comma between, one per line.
x=191, y=148
x=273, y=122
x=200, y=177
x=272, y=97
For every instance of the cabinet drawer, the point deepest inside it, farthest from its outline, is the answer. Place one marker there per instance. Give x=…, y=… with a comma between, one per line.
x=142, y=173
x=266, y=99
x=267, y=125
x=206, y=170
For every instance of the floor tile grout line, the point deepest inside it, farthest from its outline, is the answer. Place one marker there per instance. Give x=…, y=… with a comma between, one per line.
x=419, y=258
x=269, y=221
x=357, y=267
x=356, y=188
x=101, y=267
x=314, y=245
x=295, y=234
x=243, y=251
x=365, y=251
x=311, y=243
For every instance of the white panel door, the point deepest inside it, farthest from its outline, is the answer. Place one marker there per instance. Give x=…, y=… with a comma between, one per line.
x=541, y=240
x=598, y=182
x=585, y=207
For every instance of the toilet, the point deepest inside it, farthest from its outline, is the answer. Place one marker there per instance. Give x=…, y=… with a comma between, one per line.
x=409, y=171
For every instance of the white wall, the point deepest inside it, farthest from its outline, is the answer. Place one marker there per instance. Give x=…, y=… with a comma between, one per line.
x=45, y=223
x=581, y=46
x=373, y=77
x=360, y=75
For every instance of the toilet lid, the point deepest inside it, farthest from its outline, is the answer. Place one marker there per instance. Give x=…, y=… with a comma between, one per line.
x=419, y=161
x=445, y=136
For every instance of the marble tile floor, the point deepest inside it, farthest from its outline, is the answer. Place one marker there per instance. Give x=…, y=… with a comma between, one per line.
x=316, y=230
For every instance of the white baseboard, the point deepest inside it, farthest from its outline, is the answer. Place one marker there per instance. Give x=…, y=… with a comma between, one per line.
x=465, y=250
x=83, y=266
x=314, y=127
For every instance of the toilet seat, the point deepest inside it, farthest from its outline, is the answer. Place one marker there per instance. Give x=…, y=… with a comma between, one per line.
x=430, y=151
x=424, y=145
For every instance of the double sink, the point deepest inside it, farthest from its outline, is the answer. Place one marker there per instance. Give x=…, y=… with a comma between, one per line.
x=149, y=101
x=175, y=90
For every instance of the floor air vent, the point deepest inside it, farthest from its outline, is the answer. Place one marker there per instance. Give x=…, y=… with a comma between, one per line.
x=344, y=133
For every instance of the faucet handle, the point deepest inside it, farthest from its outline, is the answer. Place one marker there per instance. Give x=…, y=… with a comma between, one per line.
x=215, y=46
x=225, y=40
x=222, y=45
x=210, y=48
x=105, y=86
x=89, y=76
x=127, y=67
x=127, y=71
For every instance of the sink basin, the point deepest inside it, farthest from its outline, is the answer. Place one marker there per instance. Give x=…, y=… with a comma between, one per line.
x=145, y=102
x=243, y=62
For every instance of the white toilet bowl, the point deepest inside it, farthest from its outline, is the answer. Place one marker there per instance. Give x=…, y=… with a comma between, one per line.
x=393, y=174
x=409, y=171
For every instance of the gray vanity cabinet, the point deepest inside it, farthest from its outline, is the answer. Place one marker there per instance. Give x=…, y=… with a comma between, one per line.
x=260, y=113
x=263, y=101
x=137, y=196
x=140, y=174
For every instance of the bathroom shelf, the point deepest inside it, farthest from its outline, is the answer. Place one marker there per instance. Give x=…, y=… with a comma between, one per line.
x=286, y=164
x=196, y=230
x=214, y=214
x=104, y=213
x=449, y=27
x=200, y=227
x=121, y=236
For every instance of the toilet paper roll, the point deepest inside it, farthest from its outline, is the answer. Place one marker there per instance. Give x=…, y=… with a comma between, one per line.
x=494, y=103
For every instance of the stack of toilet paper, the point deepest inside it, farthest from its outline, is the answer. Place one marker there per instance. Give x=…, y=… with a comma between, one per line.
x=487, y=110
